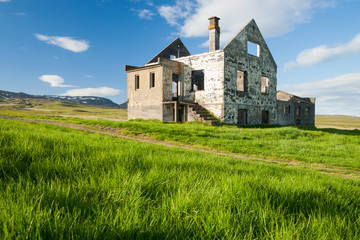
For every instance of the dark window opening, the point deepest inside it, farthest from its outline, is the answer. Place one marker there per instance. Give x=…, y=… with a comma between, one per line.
x=253, y=49
x=173, y=115
x=265, y=117
x=197, y=80
x=298, y=112
x=176, y=88
x=242, y=116
x=307, y=111
x=287, y=109
x=264, y=85
x=137, y=82
x=241, y=81
x=152, y=80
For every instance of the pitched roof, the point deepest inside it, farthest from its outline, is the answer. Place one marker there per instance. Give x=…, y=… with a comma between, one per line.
x=285, y=96
x=175, y=48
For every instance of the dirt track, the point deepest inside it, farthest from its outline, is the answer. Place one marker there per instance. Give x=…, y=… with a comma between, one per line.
x=343, y=172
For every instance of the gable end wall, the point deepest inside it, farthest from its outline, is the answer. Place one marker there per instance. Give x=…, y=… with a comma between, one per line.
x=237, y=58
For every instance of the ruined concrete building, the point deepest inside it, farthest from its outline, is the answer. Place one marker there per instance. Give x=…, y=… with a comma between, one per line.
x=233, y=85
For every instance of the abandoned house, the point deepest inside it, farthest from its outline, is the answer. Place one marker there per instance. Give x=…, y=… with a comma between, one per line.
x=233, y=85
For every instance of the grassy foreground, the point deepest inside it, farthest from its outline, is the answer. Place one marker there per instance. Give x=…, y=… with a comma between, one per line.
x=57, y=183
x=332, y=147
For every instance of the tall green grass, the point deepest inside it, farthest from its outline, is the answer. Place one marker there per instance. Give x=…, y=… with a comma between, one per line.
x=333, y=147
x=57, y=183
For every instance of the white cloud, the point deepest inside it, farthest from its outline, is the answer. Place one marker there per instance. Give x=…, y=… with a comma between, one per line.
x=144, y=13
x=20, y=14
x=5, y=0
x=67, y=43
x=99, y=92
x=274, y=17
x=54, y=80
x=338, y=95
x=147, y=2
x=174, y=13
x=89, y=76
x=322, y=53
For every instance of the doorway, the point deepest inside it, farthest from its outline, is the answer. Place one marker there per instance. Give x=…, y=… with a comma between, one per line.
x=265, y=117
x=242, y=116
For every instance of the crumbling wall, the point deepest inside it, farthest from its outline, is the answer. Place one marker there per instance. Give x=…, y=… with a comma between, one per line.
x=212, y=97
x=262, y=65
x=306, y=113
x=168, y=113
x=169, y=68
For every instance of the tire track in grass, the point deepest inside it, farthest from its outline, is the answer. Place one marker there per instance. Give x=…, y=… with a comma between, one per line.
x=342, y=172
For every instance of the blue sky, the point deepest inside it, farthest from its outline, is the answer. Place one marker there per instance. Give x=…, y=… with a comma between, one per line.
x=80, y=47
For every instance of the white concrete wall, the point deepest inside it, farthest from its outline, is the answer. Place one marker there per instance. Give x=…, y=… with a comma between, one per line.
x=212, y=97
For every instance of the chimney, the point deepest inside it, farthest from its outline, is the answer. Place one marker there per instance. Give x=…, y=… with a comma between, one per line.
x=214, y=29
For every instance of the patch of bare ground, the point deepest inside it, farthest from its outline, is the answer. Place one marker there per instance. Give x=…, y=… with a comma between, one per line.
x=116, y=132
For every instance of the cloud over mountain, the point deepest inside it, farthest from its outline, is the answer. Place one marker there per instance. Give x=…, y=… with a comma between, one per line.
x=54, y=80
x=99, y=92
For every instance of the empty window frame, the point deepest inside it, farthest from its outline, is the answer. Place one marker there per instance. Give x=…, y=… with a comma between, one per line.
x=197, y=80
x=264, y=85
x=253, y=49
x=152, y=80
x=137, y=82
x=307, y=110
x=265, y=117
x=287, y=109
x=241, y=81
x=176, y=88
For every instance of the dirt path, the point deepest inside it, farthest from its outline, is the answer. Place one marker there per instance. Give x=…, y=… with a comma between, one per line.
x=343, y=172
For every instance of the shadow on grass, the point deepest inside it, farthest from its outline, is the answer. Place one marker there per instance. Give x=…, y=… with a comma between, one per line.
x=354, y=132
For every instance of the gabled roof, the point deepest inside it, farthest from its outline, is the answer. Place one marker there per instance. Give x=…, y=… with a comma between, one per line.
x=285, y=96
x=176, y=48
x=254, y=27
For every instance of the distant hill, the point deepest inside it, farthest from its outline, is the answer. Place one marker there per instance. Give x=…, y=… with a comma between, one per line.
x=86, y=100
x=123, y=105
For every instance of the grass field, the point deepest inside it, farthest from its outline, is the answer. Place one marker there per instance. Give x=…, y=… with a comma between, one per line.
x=54, y=108
x=58, y=183
x=337, y=121
x=331, y=147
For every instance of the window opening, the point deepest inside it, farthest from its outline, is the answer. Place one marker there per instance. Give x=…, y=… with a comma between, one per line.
x=298, y=112
x=152, y=80
x=307, y=111
x=172, y=56
x=287, y=109
x=264, y=85
x=253, y=49
x=197, y=80
x=175, y=86
x=137, y=82
x=241, y=81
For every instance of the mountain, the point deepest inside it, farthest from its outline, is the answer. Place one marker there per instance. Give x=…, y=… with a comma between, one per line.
x=123, y=105
x=86, y=100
